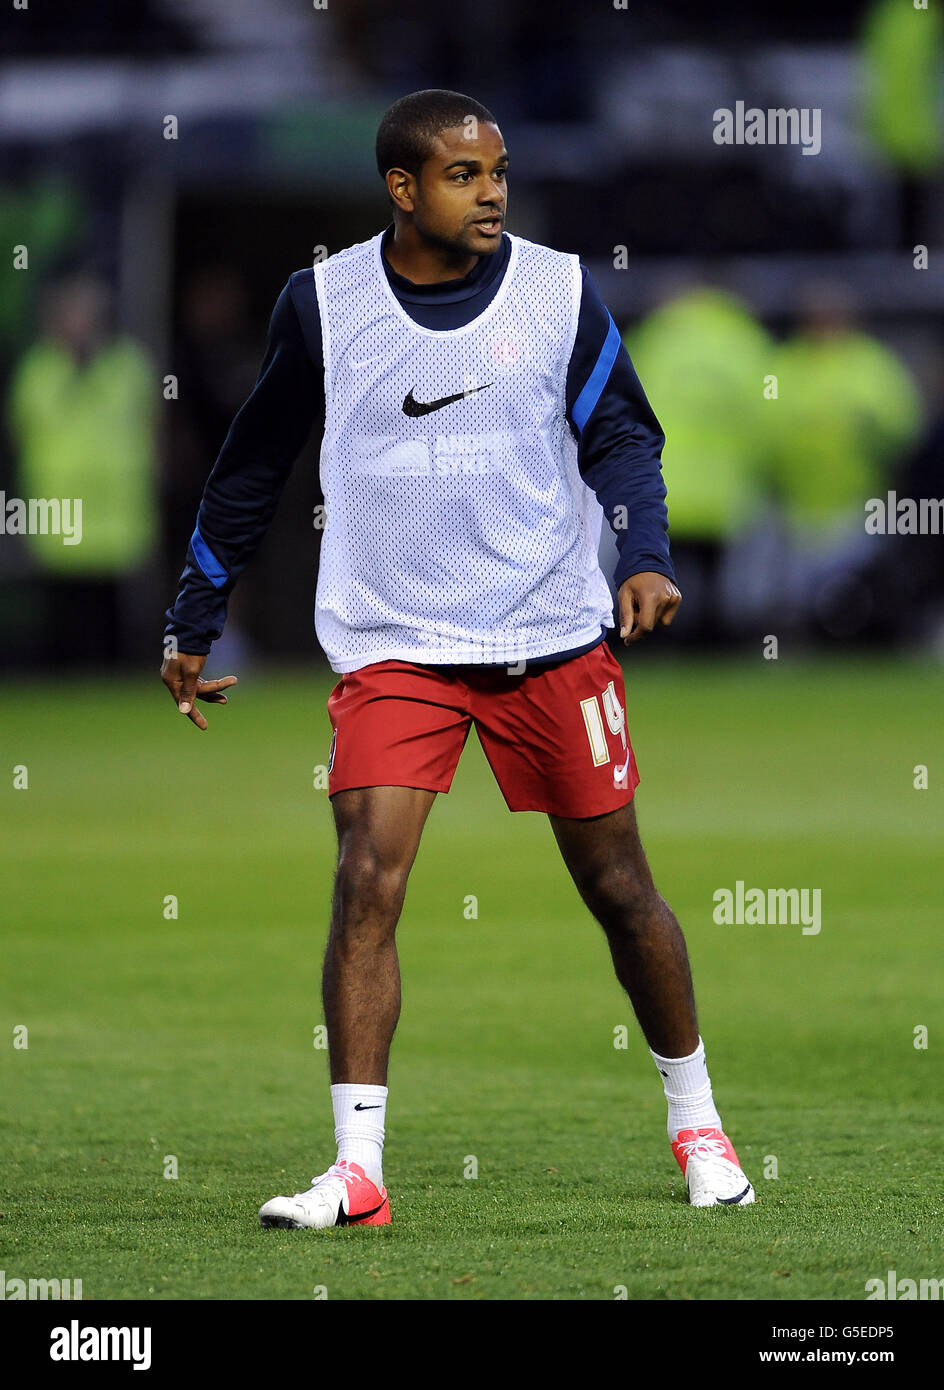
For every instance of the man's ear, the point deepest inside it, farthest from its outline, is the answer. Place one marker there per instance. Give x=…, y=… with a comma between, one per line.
x=401, y=187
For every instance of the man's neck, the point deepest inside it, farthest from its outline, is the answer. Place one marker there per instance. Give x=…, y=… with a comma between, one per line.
x=423, y=262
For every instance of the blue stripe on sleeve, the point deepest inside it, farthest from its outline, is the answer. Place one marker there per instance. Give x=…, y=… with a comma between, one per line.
x=207, y=561
x=585, y=402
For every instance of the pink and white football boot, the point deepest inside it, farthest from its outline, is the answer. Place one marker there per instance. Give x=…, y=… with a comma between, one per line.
x=711, y=1169
x=343, y=1196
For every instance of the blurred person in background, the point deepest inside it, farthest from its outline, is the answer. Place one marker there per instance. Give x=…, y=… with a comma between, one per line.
x=902, y=50
x=905, y=575
x=921, y=558
x=847, y=413
x=47, y=213
x=81, y=414
x=704, y=356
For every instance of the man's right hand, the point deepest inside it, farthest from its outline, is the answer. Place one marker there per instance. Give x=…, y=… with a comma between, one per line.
x=181, y=675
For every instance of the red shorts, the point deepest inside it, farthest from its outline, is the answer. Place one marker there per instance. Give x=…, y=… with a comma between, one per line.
x=556, y=737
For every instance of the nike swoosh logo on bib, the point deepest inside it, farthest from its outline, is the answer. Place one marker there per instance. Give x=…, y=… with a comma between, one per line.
x=415, y=407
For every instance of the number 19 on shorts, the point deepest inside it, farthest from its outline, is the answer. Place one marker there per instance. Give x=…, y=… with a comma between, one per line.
x=593, y=722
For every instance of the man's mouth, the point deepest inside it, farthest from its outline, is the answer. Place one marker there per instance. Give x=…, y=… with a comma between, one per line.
x=489, y=226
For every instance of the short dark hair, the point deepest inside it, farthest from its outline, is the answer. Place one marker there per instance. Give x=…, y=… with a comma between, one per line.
x=408, y=128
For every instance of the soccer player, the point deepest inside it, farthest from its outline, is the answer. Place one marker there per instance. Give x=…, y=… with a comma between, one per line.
x=481, y=418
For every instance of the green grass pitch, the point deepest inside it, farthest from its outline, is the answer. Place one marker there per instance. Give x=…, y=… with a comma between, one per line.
x=193, y=1038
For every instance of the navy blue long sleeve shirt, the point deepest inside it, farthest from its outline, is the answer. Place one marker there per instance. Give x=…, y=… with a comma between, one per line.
x=619, y=441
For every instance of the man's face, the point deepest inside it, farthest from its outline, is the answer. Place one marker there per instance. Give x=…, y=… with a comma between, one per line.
x=460, y=197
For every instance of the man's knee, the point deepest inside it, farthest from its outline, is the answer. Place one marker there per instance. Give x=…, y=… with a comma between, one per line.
x=369, y=890
x=620, y=899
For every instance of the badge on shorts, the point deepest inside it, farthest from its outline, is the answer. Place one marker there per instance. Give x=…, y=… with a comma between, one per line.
x=334, y=742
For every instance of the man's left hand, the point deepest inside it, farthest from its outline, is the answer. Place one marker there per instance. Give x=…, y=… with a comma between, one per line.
x=644, y=600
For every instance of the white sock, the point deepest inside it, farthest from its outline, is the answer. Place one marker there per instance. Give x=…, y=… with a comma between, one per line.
x=687, y=1088
x=359, y=1117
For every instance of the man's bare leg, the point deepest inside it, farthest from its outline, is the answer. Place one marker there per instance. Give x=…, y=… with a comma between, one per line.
x=609, y=867
x=607, y=863
x=379, y=831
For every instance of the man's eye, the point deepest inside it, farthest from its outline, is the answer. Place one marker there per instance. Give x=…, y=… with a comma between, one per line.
x=500, y=173
x=463, y=176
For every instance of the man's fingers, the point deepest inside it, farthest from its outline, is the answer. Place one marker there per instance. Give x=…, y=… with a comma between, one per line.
x=645, y=617
x=181, y=675
x=671, y=607
x=646, y=599
x=210, y=690
x=196, y=688
x=185, y=697
x=629, y=604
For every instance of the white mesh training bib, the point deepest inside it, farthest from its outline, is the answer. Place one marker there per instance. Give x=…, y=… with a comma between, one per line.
x=457, y=526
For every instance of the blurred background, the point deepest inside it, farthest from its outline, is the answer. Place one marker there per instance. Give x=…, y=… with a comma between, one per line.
x=165, y=167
